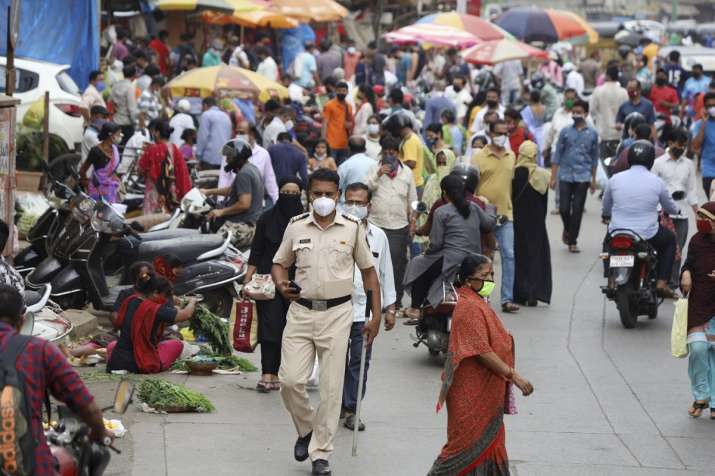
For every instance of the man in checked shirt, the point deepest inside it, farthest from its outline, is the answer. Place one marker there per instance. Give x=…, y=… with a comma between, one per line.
x=44, y=368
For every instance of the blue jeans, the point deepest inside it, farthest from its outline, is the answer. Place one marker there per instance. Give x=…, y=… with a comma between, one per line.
x=352, y=367
x=505, y=238
x=701, y=364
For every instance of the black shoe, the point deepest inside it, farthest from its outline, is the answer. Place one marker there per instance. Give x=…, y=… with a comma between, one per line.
x=321, y=467
x=300, y=451
x=350, y=423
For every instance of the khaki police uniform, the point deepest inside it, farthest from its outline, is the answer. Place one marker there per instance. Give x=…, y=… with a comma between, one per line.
x=319, y=323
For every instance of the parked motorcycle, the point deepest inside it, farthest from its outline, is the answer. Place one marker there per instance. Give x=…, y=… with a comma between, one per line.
x=75, y=453
x=630, y=266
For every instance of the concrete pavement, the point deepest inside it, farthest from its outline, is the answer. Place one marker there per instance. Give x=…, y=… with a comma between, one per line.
x=607, y=401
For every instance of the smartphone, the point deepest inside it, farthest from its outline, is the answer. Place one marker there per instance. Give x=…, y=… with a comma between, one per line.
x=295, y=287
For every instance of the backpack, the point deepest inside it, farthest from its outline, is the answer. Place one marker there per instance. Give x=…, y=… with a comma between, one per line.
x=17, y=445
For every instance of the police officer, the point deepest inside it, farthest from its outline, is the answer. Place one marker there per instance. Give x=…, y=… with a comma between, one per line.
x=325, y=246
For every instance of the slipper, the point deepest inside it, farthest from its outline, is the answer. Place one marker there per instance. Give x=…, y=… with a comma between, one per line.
x=696, y=409
x=574, y=249
x=276, y=386
x=509, y=307
x=412, y=321
x=665, y=293
x=263, y=386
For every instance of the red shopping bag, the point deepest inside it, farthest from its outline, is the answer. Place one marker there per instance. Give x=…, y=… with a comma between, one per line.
x=245, y=329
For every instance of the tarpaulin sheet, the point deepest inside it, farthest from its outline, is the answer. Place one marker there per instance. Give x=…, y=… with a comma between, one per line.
x=58, y=31
x=292, y=40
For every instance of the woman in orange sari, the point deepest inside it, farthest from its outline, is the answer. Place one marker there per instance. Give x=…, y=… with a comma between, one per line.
x=477, y=380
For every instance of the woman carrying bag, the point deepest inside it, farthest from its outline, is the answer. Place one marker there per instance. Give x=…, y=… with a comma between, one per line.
x=272, y=313
x=697, y=280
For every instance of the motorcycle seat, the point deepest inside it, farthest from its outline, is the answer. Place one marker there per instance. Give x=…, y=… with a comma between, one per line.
x=32, y=297
x=186, y=249
x=168, y=234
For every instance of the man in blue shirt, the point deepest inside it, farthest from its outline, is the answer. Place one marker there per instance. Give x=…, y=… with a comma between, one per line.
x=287, y=159
x=574, y=166
x=436, y=104
x=696, y=84
x=631, y=201
x=704, y=141
x=636, y=103
x=215, y=130
x=357, y=167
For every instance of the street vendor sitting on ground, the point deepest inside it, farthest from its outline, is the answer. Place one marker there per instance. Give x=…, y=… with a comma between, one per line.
x=142, y=318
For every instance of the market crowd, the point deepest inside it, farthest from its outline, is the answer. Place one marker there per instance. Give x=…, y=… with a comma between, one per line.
x=438, y=164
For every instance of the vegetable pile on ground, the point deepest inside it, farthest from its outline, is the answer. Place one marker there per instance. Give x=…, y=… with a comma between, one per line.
x=215, y=330
x=225, y=362
x=163, y=395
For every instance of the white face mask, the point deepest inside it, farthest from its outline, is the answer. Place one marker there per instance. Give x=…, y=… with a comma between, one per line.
x=373, y=129
x=711, y=111
x=324, y=206
x=352, y=50
x=289, y=125
x=244, y=138
x=358, y=211
x=499, y=141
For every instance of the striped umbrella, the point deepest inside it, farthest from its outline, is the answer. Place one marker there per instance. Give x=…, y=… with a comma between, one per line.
x=440, y=35
x=537, y=24
x=229, y=6
x=498, y=51
x=482, y=29
x=591, y=36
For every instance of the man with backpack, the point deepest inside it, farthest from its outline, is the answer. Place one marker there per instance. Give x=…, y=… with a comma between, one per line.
x=30, y=368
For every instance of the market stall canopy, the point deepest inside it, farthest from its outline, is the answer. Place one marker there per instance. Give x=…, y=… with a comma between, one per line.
x=498, y=51
x=227, y=81
x=308, y=11
x=440, y=35
x=258, y=18
x=537, y=24
x=482, y=29
x=229, y=6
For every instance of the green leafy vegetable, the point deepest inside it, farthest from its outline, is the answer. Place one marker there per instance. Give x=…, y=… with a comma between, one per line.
x=225, y=362
x=163, y=395
x=209, y=325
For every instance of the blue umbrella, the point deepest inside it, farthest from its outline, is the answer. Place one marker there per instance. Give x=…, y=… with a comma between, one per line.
x=530, y=24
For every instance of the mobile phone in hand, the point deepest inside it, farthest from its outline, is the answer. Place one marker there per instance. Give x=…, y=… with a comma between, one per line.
x=297, y=289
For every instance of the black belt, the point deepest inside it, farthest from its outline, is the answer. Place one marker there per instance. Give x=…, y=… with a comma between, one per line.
x=323, y=304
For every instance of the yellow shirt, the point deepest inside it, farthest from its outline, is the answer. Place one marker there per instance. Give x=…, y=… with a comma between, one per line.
x=495, y=175
x=411, y=150
x=650, y=52
x=324, y=259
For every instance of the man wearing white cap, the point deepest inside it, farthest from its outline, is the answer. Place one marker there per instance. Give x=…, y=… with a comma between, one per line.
x=182, y=120
x=574, y=79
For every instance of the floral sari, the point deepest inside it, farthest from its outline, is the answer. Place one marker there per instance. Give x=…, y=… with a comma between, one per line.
x=104, y=182
x=475, y=396
x=166, y=178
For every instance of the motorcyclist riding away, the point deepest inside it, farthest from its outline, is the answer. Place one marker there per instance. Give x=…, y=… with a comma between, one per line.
x=631, y=202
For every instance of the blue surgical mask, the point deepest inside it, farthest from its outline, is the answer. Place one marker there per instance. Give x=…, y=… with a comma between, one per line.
x=100, y=86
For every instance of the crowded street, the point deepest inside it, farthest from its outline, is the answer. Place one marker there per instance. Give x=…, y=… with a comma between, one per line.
x=279, y=237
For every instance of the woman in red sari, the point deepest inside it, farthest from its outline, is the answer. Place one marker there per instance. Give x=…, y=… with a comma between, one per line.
x=478, y=371
x=166, y=175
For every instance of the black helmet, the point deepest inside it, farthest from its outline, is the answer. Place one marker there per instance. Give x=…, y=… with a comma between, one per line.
x=641, y=152
x=395, y=122
x=632, y=121
x=237, y=152
x=469, y=174
x=537, y=81
x=623, y=50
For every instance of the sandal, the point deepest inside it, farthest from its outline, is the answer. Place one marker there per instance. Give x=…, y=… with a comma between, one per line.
x=574, y=249
x=666, y=293
x=696, y=409
x=509, y=307
x=275, y=386
x=263, y=387
x=413, y=317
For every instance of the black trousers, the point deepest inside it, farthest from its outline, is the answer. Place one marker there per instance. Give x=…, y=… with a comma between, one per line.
x=572, y=198
x=270, y=357
x=127, y=133
x=398, y=239
x=420, y=288
x=707, y=183
x=664, y=244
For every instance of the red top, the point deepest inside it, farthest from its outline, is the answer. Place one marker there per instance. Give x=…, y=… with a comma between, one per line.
x=518, y=137
x=162, y=52
x=146, y=353
x=663, y=93
x=150, y=164
x=44, y=368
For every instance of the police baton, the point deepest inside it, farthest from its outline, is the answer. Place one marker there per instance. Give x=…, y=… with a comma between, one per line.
x=361, y=376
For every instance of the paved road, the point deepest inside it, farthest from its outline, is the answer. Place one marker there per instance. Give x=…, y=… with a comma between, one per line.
x=607, y=402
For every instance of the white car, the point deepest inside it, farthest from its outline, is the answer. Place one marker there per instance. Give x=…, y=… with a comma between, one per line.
x=32, y=79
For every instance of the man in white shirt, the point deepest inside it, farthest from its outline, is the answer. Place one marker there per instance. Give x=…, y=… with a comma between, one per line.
x=239, y=58
x=98, y=115
x=181, y=121
x=260, y=158
x=280, y=122
x=492, y=106
x=511, y=74
x=267, y=67
x=605, y=102
x=678, y=173
x=134, y=149
x=574, y=79
x=357, y=203
x=459, y=94
x=92, y=96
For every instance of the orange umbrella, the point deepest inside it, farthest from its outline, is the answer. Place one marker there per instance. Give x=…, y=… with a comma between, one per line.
x=258, y=18
x=307, y=11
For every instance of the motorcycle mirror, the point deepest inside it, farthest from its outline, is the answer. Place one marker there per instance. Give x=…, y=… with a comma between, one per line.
x=418, y=206
x=123, y=396
x=607, y=161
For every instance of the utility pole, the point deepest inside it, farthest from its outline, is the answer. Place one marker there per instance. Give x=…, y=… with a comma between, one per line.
x=674, y=10
x=13, y=21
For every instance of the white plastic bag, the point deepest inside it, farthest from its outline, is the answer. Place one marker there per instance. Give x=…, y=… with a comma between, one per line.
x=601, y=176
x=679, y=331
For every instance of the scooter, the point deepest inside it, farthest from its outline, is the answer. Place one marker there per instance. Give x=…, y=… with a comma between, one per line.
x=85, y=278
x=630, y=266
x=75, y=453
x=436, y=323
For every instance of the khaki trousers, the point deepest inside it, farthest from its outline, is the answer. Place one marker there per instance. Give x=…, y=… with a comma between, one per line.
x=306, y=334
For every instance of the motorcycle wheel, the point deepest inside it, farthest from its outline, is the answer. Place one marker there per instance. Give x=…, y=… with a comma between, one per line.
x=433, y=352
x=652, y=310
x=71, y=301
x=219, y=301
x=627, y=309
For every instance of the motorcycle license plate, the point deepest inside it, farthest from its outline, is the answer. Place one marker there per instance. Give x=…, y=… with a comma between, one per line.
x=622, y=261
x=449, y=324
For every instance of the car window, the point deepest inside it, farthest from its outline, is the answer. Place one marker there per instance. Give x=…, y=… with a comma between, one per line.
x=67, y=83
x=24, y=80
